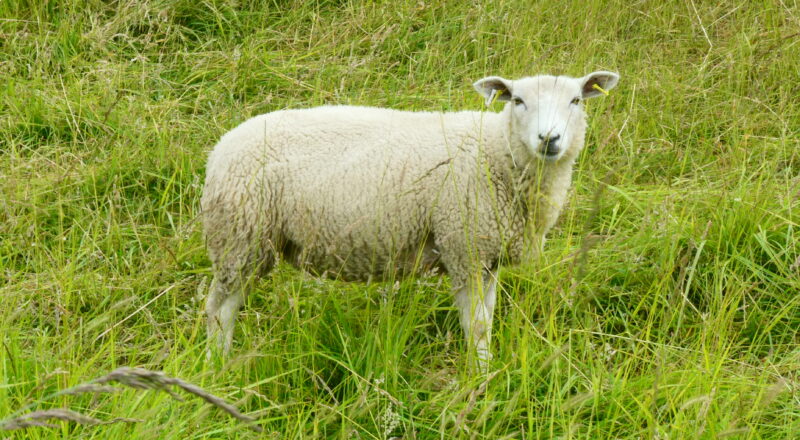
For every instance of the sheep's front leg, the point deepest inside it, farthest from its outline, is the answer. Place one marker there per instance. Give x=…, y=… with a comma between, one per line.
x=475, y=301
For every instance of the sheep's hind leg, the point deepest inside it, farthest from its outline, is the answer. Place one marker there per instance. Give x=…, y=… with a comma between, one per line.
x=475, y=301
x=226, y=296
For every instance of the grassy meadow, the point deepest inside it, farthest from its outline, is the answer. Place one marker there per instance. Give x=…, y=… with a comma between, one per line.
x=665, y=306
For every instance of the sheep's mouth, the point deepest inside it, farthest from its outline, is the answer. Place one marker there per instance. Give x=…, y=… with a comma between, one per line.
x=549, y=154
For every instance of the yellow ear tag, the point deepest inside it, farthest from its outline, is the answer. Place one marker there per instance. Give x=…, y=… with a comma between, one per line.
x=492, y=98
x=596, y=86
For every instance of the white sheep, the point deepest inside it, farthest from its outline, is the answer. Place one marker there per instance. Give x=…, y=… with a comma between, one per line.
x=362, y=193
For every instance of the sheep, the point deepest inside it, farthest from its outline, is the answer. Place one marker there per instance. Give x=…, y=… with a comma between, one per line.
x=365, y=193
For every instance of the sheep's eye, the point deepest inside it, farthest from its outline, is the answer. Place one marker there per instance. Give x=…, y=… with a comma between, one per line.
x=518, y=101
x=575, y=101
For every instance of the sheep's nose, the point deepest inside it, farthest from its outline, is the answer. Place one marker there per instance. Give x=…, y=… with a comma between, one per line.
x=550, y=144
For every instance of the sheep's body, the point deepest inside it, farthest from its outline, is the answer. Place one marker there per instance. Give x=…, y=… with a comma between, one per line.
x=339, y=196
x=358, y=193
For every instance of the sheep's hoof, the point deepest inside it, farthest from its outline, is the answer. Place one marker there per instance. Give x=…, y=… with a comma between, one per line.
x=484, y=357
x=215, y=348
x=213, y=353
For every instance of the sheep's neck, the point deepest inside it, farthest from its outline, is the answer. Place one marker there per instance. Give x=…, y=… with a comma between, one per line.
x=539, y=188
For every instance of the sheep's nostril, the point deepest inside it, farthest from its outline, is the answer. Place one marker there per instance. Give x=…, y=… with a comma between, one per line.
x=548, y=138
x=550, y=144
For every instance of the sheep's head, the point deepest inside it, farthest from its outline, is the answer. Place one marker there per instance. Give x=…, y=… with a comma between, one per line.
x=547, y=111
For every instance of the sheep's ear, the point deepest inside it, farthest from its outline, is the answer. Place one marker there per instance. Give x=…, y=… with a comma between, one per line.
x=605, y=80
x=493, y=87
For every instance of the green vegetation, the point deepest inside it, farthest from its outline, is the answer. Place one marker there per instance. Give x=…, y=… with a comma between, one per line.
x=666, y=305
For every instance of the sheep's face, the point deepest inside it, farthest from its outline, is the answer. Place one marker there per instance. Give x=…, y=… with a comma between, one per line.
x=547, y=111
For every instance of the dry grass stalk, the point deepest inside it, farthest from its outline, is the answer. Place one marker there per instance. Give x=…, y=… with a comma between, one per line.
x=37, y=418
x=89, y=388
x=142, y=379
x=137, y=378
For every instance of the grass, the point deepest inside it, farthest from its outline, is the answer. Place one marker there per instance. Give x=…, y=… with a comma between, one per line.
x=666, y=305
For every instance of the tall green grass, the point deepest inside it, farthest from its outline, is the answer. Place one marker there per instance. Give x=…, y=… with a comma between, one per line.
x=666, y=304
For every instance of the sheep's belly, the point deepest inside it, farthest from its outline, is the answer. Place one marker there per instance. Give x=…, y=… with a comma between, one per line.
x=361, y=261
